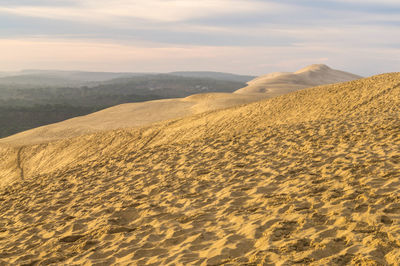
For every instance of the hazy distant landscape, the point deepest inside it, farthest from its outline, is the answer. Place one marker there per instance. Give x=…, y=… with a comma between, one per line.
x=149, y=99
x=35, y=98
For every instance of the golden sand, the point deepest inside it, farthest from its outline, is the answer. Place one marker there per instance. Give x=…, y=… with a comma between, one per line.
x=131, y=115
x=278, y=83
x=312, y=177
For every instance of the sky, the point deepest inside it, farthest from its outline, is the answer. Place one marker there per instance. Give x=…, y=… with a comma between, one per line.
x=238, y=36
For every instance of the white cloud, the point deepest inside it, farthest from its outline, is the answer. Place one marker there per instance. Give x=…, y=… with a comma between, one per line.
x=153, y=10
x=378, y=2
x=349, y=39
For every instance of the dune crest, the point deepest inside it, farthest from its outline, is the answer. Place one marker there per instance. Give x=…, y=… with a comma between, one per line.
x=279, y=83
x=314, y=67
x=311, y=177
x=130, y=115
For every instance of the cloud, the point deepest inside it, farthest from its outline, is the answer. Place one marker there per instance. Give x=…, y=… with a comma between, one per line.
x=152, y=10
x=37, y=2
x=227, y=34
x=377, y=2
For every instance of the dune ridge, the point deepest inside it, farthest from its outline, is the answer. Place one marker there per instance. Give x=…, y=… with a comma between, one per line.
x=278, y=83
x=130, y=115
x=150, y=112
x=311, y=177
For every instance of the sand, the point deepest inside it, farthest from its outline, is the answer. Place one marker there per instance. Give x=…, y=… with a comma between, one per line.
x=311, y=177
x=131, y=115
x=146, y=113
x=279, y=83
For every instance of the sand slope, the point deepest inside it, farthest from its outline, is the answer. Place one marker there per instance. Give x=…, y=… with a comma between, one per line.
x=278, y=83
x=312, y=177
x=130, y=115
x=146, y=113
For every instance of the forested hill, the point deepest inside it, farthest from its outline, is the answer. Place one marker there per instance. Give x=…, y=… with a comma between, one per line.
x=25, y=105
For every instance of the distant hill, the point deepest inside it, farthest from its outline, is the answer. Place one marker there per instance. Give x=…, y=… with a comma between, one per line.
x=5, y=74
x=214, y=75
x=167, y=85
x=283, y=82
x=25, y=100
x=56, y=78
x=38, y=80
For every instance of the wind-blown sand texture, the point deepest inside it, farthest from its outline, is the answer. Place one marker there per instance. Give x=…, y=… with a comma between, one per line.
x=311, y=177
x=279, y=83
x=150, y=112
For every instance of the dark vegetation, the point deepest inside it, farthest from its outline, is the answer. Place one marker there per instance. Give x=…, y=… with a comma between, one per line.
x=14, y=119
x=26, y=102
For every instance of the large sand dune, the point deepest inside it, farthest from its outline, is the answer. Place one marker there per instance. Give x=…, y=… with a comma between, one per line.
x=278, y=83
x=146, y=113
x=130, y=115
x=312, y=177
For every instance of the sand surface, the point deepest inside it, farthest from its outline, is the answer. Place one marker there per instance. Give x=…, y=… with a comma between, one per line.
x=279, y=83
x=131, y=115
x=146, y=113
x=308, y=178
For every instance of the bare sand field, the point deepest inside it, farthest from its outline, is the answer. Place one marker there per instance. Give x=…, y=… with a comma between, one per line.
x=307, y=178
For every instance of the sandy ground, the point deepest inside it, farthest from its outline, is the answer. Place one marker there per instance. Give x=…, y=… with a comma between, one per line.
x=312, y=177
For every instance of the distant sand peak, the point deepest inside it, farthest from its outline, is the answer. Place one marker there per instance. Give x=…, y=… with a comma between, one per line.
x=278, y=83
x=313, y=67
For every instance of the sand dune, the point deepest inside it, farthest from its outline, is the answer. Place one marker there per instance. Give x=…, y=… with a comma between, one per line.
x=279, y=83
x=312, y=177
x=146, y=113
x=130, y=115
